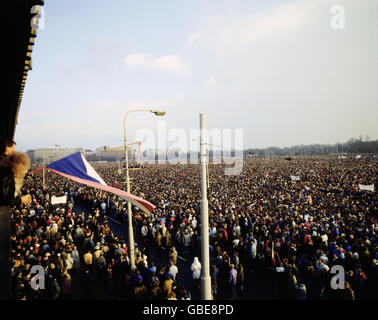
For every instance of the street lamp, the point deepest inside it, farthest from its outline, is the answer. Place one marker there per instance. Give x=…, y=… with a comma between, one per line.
x=159, y=113
x=130, y=232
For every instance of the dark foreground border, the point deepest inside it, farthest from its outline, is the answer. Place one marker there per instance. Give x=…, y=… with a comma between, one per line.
x=220, y=310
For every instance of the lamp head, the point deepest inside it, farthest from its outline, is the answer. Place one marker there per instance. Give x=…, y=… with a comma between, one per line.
x=159, y=113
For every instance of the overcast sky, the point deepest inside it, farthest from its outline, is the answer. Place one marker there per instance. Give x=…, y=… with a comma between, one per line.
x=278, y=70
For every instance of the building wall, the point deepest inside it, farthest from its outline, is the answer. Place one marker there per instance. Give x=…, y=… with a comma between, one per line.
x=51, y=155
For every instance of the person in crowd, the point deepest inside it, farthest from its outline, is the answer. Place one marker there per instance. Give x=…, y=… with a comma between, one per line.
x=260, y=220
x=167, y=285
x=196, y=272
x=66, y=286
x=173, y=256
x=184, y=294
x=241, y=280
x=173, y=270
x=233, y=281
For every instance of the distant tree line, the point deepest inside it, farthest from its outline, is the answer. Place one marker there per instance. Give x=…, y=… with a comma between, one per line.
x=352, y=146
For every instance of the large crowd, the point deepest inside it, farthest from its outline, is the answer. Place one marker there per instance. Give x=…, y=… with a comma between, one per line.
x=262, y=224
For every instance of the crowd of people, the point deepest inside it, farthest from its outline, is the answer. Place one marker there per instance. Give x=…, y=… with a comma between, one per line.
x=262, y=224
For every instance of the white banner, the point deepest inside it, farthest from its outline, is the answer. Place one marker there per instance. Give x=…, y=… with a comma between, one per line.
x=295, y=178
x=369, y=187
x=358, y=156
x=58, y=200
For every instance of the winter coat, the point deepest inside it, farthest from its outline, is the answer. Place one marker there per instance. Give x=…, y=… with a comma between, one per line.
x=186, y=239
x=76, y=259
x=196, y=269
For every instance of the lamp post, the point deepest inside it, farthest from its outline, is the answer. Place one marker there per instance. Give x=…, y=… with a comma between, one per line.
x=130, y=221
x=207, y=163
x=205, y=254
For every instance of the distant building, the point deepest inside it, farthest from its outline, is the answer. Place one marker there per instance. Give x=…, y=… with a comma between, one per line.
x=107, y=154
x=162, y=155
x=49, y=155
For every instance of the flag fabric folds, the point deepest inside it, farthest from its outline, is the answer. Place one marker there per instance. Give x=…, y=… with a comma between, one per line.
x=115, y=185
x=77, y=168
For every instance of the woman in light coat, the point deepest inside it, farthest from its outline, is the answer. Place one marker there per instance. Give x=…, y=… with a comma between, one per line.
x=196, y=269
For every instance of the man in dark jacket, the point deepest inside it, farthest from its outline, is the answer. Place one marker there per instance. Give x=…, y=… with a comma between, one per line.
x=8, y=199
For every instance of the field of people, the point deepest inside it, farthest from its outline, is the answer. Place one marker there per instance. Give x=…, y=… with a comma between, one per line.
x=276, y=231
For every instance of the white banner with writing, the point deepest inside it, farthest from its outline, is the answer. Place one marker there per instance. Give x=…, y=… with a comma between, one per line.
x=58, y=200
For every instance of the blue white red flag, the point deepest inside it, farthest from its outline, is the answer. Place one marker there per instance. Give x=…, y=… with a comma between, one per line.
x=77, y=168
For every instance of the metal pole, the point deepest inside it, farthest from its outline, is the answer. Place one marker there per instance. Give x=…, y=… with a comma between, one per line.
x=130, y=220
x=43, y=170
x=129, y=213
x=207, y=175
x=205, y=277
x=139, y=152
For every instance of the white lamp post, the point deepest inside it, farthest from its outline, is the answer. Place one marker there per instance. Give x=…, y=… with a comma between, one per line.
x=205, y=255
x=207, y=163
x=130, y=221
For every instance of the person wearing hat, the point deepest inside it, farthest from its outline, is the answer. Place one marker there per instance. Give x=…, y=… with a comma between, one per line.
x=97, y=252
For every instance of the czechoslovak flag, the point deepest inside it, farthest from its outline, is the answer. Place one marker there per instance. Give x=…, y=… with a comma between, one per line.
x=77, y=168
